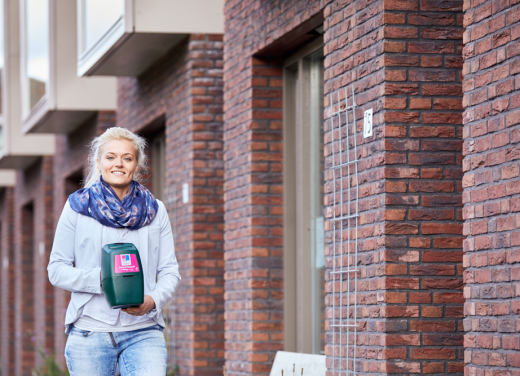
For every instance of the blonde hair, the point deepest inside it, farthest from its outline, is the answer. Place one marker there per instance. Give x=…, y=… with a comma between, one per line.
x=115, y=133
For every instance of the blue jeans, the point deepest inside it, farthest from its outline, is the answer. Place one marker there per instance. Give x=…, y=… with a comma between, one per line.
x=139, y=352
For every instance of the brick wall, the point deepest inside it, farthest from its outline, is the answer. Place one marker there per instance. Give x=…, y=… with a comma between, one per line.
x=33, y=234
x=253, y=178
x=184, y=91
x=491, y=181
x=7, y=296
x=68, y=171
x=403, y=59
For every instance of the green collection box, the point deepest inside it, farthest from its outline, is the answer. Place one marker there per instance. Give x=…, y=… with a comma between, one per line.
x=122, y=275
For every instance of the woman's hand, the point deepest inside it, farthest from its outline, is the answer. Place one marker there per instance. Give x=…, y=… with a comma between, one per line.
x=146, y=307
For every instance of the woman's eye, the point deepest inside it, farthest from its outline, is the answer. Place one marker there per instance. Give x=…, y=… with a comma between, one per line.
x=110, y=157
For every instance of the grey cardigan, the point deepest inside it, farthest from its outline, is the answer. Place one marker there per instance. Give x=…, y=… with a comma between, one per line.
x=78, y=240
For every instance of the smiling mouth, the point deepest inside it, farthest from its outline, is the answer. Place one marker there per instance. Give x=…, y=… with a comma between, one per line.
x=120, y=173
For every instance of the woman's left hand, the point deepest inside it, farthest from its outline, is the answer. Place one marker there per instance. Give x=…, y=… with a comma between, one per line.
x=146, y=307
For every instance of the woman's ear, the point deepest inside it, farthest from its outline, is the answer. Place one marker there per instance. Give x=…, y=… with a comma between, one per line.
x=98, y=165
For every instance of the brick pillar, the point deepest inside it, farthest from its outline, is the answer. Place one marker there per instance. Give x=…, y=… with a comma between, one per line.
x=7, y=296
x=44, y=234
x=34, y=295
x=403, y=58
x=69, y=164
x=24, y=290
x=183, y=90
x=491, y=185
x=194, y=157
x=253, y=219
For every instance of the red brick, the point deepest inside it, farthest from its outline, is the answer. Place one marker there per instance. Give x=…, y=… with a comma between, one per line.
x=163, y=92
x=433, y=353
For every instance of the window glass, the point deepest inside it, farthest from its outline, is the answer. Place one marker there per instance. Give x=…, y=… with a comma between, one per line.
x=36, y=49
x=1, y=34
x=304, y=244
x=158, y=162
x=2, y=54
x=315, y=66
x=98, y=17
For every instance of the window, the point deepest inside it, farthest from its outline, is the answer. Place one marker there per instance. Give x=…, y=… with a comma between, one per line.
x=97, y=18
x=159, y=165
x=304, y=278
x=2, y=54
x=35, y=72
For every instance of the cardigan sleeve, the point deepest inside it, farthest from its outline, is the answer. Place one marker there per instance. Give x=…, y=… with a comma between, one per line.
x=168, y=276
x=61, y=271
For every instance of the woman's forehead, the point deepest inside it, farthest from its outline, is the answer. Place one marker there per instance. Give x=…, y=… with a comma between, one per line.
x=119, y=147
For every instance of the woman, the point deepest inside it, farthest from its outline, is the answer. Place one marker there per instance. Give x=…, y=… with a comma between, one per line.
x=114, y=208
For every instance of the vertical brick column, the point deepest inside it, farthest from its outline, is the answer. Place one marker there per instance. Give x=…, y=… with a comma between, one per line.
x=7, y=296
x=69, y=164
x=253, y=219
x=24, y=303
x=253, y=91
x=351, y=33
x=45, y=235
x=194, y=157
x=403, y=59
x=34, y=295
x=491, y=185
x=184, y=89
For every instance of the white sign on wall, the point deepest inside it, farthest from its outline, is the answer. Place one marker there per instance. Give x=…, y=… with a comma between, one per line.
x=185, y=193
x=367, y=129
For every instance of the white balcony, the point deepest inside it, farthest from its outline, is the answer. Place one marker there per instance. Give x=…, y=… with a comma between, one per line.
x=54, y=98
x=7, y=178
x=17, y=151
x=124, y=37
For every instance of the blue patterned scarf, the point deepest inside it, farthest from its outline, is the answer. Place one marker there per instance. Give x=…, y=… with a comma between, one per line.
x=137, y=209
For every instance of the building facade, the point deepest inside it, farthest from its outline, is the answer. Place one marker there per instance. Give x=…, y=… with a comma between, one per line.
x=341, y=176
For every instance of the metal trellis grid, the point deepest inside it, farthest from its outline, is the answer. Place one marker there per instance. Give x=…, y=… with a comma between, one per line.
x=344, y=223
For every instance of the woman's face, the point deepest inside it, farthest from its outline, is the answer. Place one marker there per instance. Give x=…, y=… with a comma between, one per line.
x=118, y=163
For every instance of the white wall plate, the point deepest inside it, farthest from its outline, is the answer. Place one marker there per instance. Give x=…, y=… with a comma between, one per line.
x=367, y=129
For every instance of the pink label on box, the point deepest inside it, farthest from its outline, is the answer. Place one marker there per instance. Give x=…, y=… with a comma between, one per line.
x=126, y=264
